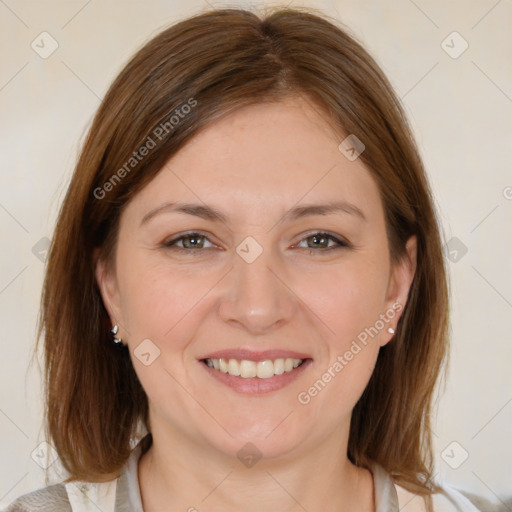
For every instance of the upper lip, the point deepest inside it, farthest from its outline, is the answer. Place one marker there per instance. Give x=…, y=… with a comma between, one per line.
x=251, y=355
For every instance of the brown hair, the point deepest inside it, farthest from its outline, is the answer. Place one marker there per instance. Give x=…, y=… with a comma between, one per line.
x=216, y=62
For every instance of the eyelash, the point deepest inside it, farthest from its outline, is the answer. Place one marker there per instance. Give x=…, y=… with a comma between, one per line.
x=171, y=244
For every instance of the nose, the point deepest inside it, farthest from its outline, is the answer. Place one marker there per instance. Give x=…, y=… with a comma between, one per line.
x=257, y=296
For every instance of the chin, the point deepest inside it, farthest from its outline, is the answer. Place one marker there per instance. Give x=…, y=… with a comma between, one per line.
x=259, y=437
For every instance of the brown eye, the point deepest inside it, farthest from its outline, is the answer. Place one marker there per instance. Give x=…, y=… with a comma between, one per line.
x=321, y=241
x=190, y=242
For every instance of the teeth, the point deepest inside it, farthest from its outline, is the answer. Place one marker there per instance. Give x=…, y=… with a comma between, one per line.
x=249, y=369
x=223, y=366
x=233, y=367
x=278, y=366
x=265, y=369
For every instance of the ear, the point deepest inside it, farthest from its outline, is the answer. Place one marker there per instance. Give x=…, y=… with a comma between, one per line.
x=402, y=275
x=107, y=283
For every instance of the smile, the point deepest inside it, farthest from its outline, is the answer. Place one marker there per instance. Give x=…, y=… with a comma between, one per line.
x=249, y=369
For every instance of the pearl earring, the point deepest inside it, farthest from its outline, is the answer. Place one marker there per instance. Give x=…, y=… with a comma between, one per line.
x=114, y=330
x=391, y=330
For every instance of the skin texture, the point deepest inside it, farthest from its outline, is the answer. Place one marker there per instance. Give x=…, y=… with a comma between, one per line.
x=254, y=165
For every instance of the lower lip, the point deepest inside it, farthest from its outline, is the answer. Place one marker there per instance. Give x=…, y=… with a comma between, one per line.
x=255, y=385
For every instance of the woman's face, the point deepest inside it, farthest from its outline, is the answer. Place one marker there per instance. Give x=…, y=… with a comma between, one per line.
x=260, y=279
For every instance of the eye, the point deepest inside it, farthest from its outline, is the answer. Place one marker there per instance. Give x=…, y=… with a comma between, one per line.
x=195, y=241
x=191, y=241
x=321, y=241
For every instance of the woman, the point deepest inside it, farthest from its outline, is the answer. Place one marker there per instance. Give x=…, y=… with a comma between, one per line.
x=247, y=268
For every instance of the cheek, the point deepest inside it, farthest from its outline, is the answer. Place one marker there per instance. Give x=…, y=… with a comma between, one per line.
x=348, y=298
x=162, y=304
x=351, y=352
x=157, y=300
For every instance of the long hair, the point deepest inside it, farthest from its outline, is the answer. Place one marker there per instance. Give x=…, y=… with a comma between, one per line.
x=183, y=79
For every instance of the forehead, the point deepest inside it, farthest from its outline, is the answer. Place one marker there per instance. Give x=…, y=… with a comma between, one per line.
x=263, y=157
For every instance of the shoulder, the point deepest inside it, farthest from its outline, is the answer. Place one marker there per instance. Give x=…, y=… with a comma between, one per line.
x=53, y=498
x=77, y=496
x=68, y=497
x=449, y=499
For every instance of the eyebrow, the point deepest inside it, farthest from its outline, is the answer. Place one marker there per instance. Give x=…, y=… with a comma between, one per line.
x=298, y=212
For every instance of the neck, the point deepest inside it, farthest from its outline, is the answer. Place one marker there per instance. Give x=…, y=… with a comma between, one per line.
x=182, y=475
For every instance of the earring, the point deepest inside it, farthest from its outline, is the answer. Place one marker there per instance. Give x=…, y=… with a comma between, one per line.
x=391, y=330
x=114, y=330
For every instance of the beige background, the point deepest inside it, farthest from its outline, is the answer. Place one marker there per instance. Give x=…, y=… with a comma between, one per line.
x=460, y=109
